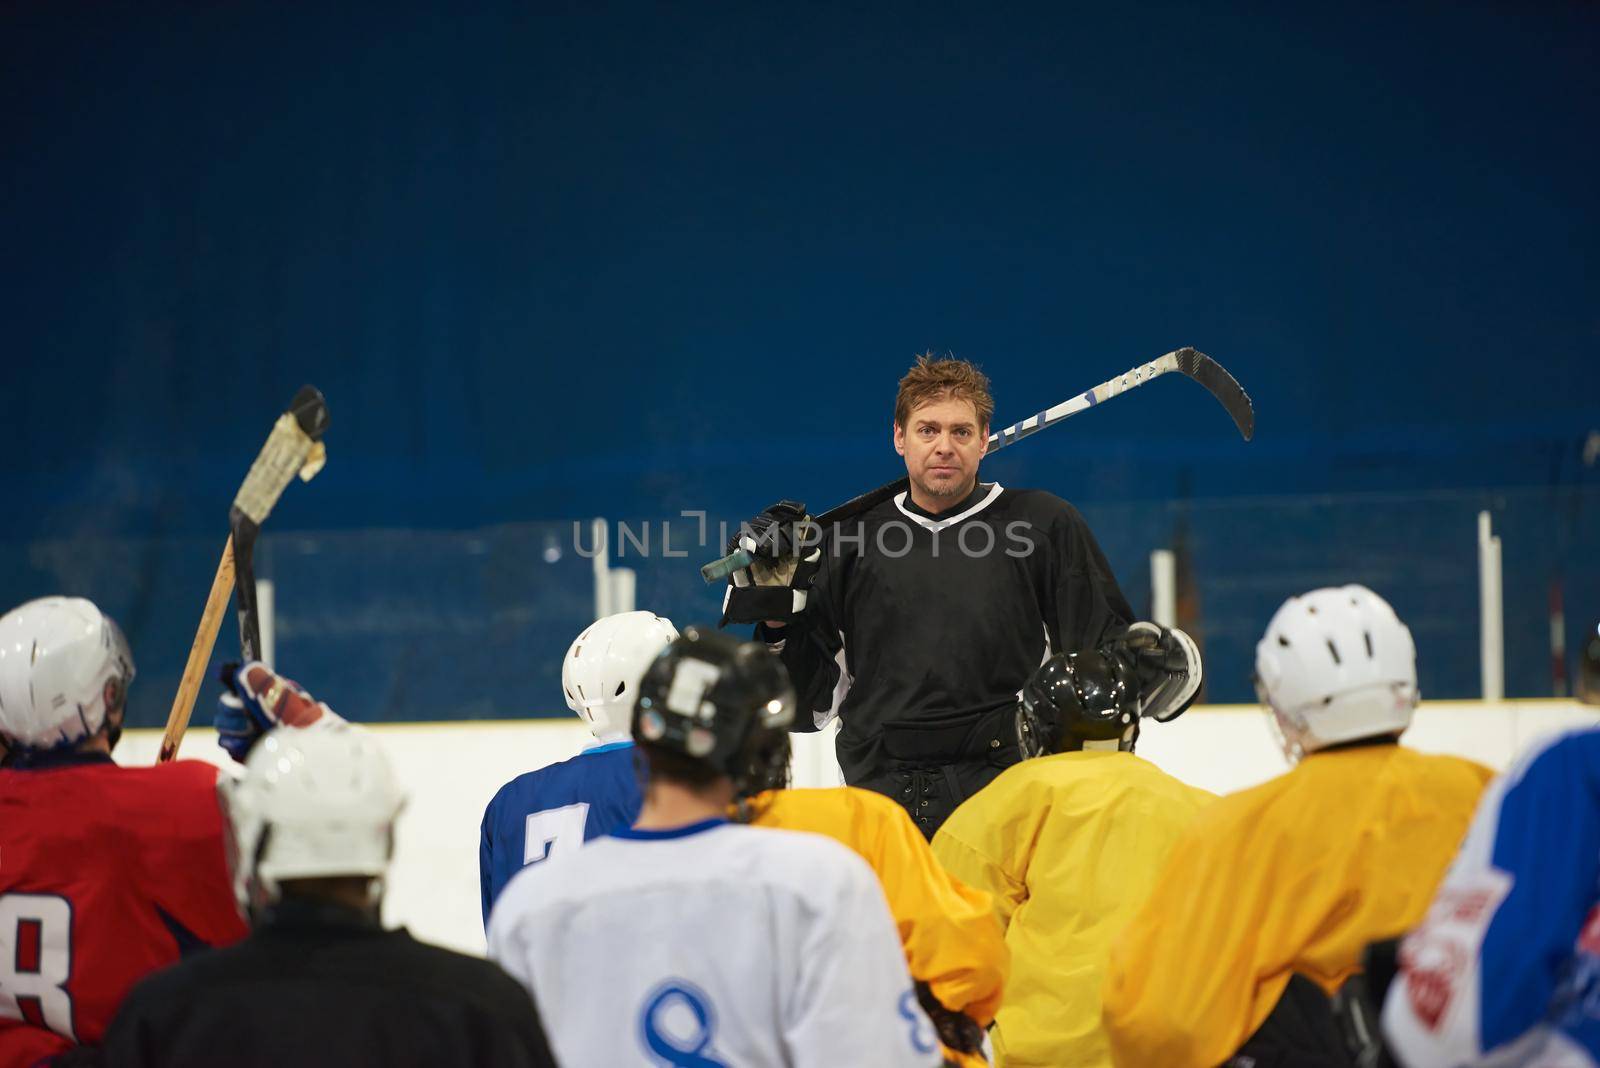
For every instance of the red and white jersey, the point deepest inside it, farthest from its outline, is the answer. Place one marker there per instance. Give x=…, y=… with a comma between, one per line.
x=107, y=873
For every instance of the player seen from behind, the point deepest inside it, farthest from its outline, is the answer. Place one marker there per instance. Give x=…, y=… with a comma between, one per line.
x=320, y=981
x=1068, y=843
x=1294, y=877
x=554, y=809
x=688, y=940
x=917, y=622
x=107, y=873
x=1505, y=969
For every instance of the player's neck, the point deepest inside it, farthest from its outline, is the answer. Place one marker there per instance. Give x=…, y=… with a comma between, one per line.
x=669, y=805
x=934, y=506
x=97, y=744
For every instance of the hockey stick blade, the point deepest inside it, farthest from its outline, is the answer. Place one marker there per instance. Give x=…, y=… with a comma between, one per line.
x=1221, y=385
x=1188, y=362
x=293, y=447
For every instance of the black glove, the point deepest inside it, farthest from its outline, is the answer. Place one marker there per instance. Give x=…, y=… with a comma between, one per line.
x=957, y=1030
x=1166, y=663
x=777, y=532
x=785, y=546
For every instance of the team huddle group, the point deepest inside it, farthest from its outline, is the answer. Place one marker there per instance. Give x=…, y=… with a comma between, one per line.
x=1002, y=881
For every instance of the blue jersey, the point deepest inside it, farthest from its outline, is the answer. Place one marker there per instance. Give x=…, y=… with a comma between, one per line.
x=1505, y=969
x=553, y=810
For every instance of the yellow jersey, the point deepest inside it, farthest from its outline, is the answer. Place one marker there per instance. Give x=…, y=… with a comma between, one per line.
x=1067, y=845
x=951, y=940
x=1295, y=875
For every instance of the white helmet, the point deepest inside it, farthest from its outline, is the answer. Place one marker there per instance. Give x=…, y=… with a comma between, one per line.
x=1336, y=665
x=57, y=655
x=604, y=664
x=313, y=802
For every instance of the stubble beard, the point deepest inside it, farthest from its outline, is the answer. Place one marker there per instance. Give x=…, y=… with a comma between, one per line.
x=953, y=490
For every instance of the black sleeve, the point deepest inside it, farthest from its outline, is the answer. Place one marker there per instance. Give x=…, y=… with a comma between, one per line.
x=521, y=1044
x=515, y=1035
x=810, y=645
x=127, y=1042
x=1086, y=604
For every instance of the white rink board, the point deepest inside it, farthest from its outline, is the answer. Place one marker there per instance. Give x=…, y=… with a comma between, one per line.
x=452, y=770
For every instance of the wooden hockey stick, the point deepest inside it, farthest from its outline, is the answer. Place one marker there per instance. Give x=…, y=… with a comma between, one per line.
x=1186, y=361
x=294, y=446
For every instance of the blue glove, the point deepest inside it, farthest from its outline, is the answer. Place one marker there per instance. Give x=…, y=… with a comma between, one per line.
x=255, y=700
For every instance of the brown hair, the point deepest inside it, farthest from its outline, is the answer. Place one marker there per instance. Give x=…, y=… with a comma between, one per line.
x=934, y=378
x=669, y=765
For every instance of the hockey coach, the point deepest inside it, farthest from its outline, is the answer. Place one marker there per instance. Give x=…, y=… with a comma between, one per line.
x=917, y=623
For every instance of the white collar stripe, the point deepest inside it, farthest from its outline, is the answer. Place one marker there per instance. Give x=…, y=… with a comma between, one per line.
x=937, y=525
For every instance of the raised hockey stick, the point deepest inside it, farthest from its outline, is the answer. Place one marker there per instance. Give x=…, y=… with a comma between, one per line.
x=294, y=447
x=1186, y=361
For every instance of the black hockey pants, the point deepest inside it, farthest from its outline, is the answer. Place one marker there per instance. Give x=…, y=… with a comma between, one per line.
x=935, y=764
x=1300, y=1032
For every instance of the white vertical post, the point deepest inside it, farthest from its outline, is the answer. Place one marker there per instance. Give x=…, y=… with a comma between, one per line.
x=602, y=569
x=266, y=617
x=1491, y=622
x=623, y=581
x=1164, y=587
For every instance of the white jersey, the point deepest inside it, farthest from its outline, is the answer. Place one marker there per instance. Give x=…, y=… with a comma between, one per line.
x=712, y=945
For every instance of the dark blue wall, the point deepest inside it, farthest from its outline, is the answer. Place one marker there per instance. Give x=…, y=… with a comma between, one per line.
x=561, y=260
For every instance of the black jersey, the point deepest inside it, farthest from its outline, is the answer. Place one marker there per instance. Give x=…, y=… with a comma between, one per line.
x=916, y=620
x=319, y=984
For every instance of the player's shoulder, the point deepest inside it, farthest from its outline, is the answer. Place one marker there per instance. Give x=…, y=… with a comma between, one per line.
x=159, y=991
x=598, y=760
x=1445, y=769
x=392, y=960
x=600, y=866
x=1088, y=779
x=856, y=817
x=781, y=860
x=469, y=977
x=1039, y=501
x=1043, y=512
x=807, y=863
x=176, y=775
x=1114, y=771
x=781, y=846
x=843, y=798
x=175, y=790
x=874, y=805
x=1572, y=755
x=528, y=784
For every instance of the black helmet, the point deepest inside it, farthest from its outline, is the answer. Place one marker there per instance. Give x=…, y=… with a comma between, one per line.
x=721, y=702
x=1078, y=698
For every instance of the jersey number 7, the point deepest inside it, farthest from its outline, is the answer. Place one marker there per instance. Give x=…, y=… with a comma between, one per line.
x=553, y=832
x=36, y=960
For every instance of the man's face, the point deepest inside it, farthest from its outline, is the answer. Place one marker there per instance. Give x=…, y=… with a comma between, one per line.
x=942, y=442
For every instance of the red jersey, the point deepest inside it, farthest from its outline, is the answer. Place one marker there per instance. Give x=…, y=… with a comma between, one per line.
x=107, y=873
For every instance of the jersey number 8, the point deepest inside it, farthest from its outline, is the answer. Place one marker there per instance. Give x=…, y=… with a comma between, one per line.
x=36, y=960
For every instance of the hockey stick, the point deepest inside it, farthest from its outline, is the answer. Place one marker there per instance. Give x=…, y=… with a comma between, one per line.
x=294, y=446
x=1186, y=361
